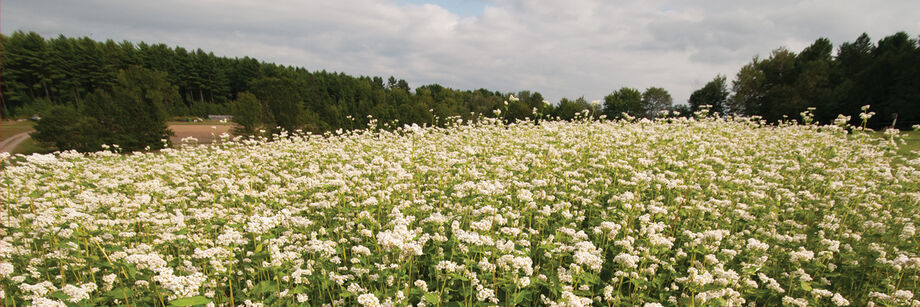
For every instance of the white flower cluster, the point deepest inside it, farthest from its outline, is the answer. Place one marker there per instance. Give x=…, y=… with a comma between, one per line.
x=667, y=212
x=181, y=286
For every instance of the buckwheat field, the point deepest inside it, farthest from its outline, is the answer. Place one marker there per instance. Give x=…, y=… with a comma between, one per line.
x=707, y=211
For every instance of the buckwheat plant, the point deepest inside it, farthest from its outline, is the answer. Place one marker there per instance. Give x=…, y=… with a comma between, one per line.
x=702, y=211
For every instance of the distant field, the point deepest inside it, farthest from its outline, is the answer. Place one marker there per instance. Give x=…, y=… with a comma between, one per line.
x=205, y=133
x=913, y=143
x=204, y=122
x=910, y=145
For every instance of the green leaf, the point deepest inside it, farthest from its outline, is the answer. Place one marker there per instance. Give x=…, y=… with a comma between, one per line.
x=120, y=293
x=265, y=286
x=520, y=297
x=806, y=286
x=60, y=295
x=132, y=271
x=431, y=298
x=190, y=301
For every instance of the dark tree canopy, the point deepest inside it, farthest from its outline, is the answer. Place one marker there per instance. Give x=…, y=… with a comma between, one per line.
x=64, y=127
x=625, y=100
x=655, y=100
x=247, y=114
x=132, y=114
x=714, y=93
x=884, y=75
x=279, y=97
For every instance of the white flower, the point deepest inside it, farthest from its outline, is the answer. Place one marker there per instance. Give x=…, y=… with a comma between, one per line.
x=6, y=269
x=589, y=256
x=800, y=302
x=485, y=294
x=45, y=302
x=627, y=260
x=755, y=245
x=523, y=282
x=839, y=300
x=903, y=295
x=368, y=300
x=361, y=250
x=80, y=293
x=801, y=255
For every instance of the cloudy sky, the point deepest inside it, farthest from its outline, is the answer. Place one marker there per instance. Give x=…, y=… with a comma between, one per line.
x=559, y=48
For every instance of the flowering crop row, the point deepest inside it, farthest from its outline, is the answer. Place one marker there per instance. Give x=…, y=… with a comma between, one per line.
x=708, y=211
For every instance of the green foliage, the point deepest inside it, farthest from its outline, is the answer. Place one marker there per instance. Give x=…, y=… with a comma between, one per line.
x=569, y=110
x=517, y=110
x=190, y=301
x=884, y=76
x=279, y=98
x=655, y=100
x=131, y=115
x=625, y=100
x=63, y=127
x=714, y=93
x=747, y=88
x=247, y=114
x=141, y=98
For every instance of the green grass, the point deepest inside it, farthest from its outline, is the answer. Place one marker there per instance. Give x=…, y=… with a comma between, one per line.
x=907, y=149
x=912, y=144
x=11, y=128
x=29, y=146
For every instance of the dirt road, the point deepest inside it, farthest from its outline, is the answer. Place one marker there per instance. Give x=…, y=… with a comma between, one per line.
x=11, y=143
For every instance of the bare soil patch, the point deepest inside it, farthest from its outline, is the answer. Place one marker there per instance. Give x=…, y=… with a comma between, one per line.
x=205, y=134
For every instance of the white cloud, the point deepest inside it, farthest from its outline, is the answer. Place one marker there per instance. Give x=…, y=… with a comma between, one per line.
x=560, y=48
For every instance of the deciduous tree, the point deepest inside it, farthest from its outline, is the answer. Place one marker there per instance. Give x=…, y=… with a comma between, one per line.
x=714, y=94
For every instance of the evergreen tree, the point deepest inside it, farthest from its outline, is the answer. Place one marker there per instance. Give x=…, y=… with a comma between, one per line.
x=280, y=98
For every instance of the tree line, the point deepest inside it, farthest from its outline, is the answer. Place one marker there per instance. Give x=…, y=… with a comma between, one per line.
x=92, y=93
x=883, y=75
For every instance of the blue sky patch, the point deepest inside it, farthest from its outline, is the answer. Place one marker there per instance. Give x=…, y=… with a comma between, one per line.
x=462, y=8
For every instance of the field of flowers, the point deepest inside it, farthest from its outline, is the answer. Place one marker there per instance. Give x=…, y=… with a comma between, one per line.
x=705, y=211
